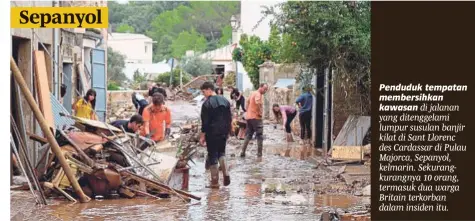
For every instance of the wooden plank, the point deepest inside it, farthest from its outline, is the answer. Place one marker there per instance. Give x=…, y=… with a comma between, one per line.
x=126, y=192
x=97, y=124
x=353, y=131
x=164, y=170
x=41, y=74
x=37, y=138
x=159, y=186
x=347, y=152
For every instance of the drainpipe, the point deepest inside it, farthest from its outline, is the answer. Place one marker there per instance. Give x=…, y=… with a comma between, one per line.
x=56, y=56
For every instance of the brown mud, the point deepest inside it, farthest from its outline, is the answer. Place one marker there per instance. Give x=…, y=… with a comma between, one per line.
x=282, y=185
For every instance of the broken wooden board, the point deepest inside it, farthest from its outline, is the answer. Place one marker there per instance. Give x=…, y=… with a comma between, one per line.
x=96, y=124
x=347, y=153
x=86, y=140
x=126, y=192
x=353, y=131
x=159, y=186
x=42, y=84
x=164, y=169
x=37, y=138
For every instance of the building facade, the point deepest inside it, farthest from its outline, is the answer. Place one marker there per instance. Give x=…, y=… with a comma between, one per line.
x=66, y=52
x=137, y=48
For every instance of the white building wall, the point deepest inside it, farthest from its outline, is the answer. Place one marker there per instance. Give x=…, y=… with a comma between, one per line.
x=228, y=65
x=135, y=50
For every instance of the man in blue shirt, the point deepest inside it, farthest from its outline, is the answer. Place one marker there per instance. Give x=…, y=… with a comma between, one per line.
x=305, y=103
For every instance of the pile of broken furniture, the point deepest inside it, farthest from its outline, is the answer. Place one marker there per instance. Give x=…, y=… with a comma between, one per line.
x=86, y=159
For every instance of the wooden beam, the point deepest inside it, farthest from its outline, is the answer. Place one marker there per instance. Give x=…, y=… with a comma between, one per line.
x=347, y=152
x=159, y=186
x=46, y=130
x=37, y=138
x=44, y=98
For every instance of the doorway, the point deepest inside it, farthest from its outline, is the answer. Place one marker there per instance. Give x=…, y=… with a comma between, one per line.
x=68, y=97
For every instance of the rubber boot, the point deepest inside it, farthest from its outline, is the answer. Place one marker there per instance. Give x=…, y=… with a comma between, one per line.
x=214, y=177
x=259, y=147
x=224, y=168
x=244, y=147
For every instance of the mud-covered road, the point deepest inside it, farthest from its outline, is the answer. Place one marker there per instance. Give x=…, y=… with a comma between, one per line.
x=278, y=186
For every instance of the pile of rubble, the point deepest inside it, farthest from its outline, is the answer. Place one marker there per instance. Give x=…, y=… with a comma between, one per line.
x=83, y=159
x=106, y=162
x=188, y=135
x=183, y=95
x=121, y=110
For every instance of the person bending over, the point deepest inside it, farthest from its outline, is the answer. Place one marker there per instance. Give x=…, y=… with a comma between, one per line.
x=130, y=126
x=286, y=114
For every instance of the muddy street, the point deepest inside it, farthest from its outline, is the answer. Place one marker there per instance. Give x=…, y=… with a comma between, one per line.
x=282, y=185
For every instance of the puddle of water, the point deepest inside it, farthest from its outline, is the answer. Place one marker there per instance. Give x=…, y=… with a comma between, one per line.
x=252, y=190
x=339, y=201
x=293, y=150
x=242, y=200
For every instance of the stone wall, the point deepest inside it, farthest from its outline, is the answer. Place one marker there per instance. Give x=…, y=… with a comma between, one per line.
x=119, y=104
x=270, y=73
x=283, y=96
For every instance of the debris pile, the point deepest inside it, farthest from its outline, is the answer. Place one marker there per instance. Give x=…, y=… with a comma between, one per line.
x=183, y=95
x=188, y=135
x=110, y=165
x=83, y=159
x=121, y=110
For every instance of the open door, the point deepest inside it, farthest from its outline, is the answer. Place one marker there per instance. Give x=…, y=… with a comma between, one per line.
x=99, y=81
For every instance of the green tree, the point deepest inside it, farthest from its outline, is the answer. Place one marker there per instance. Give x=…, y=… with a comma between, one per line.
x=138, y=14
x=112, y=86
x=139, y=77
x=213, y=17
x=196, y=66
x=254, y=53
x=230, y=79
x=275, y=43
x=226, y=35
x=165, y=28
x=188, y=41
x=334, y=35
x=289, y=52
x=207, y=18
x=115, y=67
x=165, y=77
x=326, y=33
x=125, y=28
